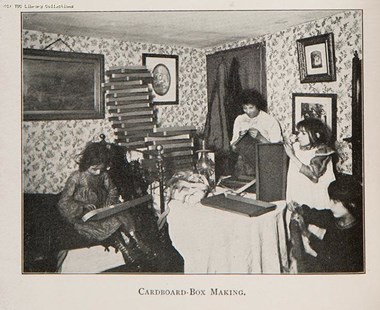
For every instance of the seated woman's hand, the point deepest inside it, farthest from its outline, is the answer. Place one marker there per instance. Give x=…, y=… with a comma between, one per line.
x=299, y=219
x=292, y=206
x=89, y=207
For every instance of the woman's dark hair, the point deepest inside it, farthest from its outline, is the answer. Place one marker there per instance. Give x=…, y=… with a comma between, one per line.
x=252, y=96
x=319, y=133
x=94, y=154
x=348, y=191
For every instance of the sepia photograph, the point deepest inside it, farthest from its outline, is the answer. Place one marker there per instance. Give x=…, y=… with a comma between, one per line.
x=138, y=166
x=170, y=154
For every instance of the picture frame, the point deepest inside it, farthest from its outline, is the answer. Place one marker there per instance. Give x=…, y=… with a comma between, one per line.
x=62, y=85
x=316, y=58
x=165, y=77
x=322, y=106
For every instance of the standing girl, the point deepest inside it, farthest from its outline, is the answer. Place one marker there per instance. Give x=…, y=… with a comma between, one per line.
x=310, y=168
x=309, y=175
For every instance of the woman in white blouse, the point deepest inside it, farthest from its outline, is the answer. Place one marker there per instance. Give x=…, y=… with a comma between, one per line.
x=256, y=123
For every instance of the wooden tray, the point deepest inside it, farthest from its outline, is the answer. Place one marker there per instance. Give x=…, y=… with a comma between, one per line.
x=240, y=205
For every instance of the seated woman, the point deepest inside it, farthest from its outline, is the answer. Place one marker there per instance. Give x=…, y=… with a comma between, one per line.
x=254, y=126
x=90, y=188
x=339, y=242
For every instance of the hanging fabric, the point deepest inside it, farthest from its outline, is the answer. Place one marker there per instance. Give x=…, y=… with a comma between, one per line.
x=234, y=87
x=216, y=132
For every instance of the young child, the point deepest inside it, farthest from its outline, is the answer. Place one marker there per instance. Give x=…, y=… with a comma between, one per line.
x=310, y=168
x=89, y=188
x=309, y=174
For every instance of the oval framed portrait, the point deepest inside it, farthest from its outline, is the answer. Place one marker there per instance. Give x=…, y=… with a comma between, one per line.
x=164, y=69
x=161, y=79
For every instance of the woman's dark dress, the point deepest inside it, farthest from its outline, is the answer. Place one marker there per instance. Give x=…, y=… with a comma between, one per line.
x=340, y=250
x=81, y=189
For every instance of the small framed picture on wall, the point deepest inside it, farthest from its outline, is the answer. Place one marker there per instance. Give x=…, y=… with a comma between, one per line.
x=316, y=59
x=165, y=77
x=321, y=106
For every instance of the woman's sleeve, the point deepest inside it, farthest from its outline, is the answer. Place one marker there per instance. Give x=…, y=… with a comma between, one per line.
x=320, y=218
x=275, y=132
x=70, y=209
x=236, y=130
x=318, y=164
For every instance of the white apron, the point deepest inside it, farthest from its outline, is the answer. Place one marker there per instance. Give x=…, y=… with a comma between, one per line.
x=301, y=189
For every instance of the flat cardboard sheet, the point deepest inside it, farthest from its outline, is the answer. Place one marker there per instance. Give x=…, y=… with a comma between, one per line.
x=243, y=206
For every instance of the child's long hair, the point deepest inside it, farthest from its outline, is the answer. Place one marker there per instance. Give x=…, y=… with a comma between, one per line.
x=95, y=153
x=319, y=133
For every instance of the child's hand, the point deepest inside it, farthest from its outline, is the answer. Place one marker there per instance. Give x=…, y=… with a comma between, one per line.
x=289, y=150
x=291, y=139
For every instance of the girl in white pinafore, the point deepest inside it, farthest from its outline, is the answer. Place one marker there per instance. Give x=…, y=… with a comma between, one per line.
x=310, y=168
x=309, y=175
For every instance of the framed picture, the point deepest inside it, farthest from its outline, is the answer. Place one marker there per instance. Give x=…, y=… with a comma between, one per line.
x=62, y=85
x=322, y=106
x=165, y=77
x=316, y=58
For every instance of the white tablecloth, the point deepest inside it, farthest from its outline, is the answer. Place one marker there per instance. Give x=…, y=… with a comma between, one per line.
x=217, y=241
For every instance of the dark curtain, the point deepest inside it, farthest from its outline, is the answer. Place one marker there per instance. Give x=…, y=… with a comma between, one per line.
x=216, y=132
x=233, y=108
x=357, y=123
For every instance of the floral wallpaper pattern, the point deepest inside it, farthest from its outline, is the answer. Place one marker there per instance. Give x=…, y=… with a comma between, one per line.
x=50, y=147
x=283, y=74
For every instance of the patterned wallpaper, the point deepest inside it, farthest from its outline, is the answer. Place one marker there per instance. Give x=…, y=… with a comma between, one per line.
x=283, y=74
x=50, y=147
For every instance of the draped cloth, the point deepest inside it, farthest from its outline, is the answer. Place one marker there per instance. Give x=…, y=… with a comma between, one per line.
x=216, y=130
x=222, y=111
x=234, y=88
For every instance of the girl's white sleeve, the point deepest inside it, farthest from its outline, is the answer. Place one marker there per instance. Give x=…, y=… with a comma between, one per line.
x=275, y=132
